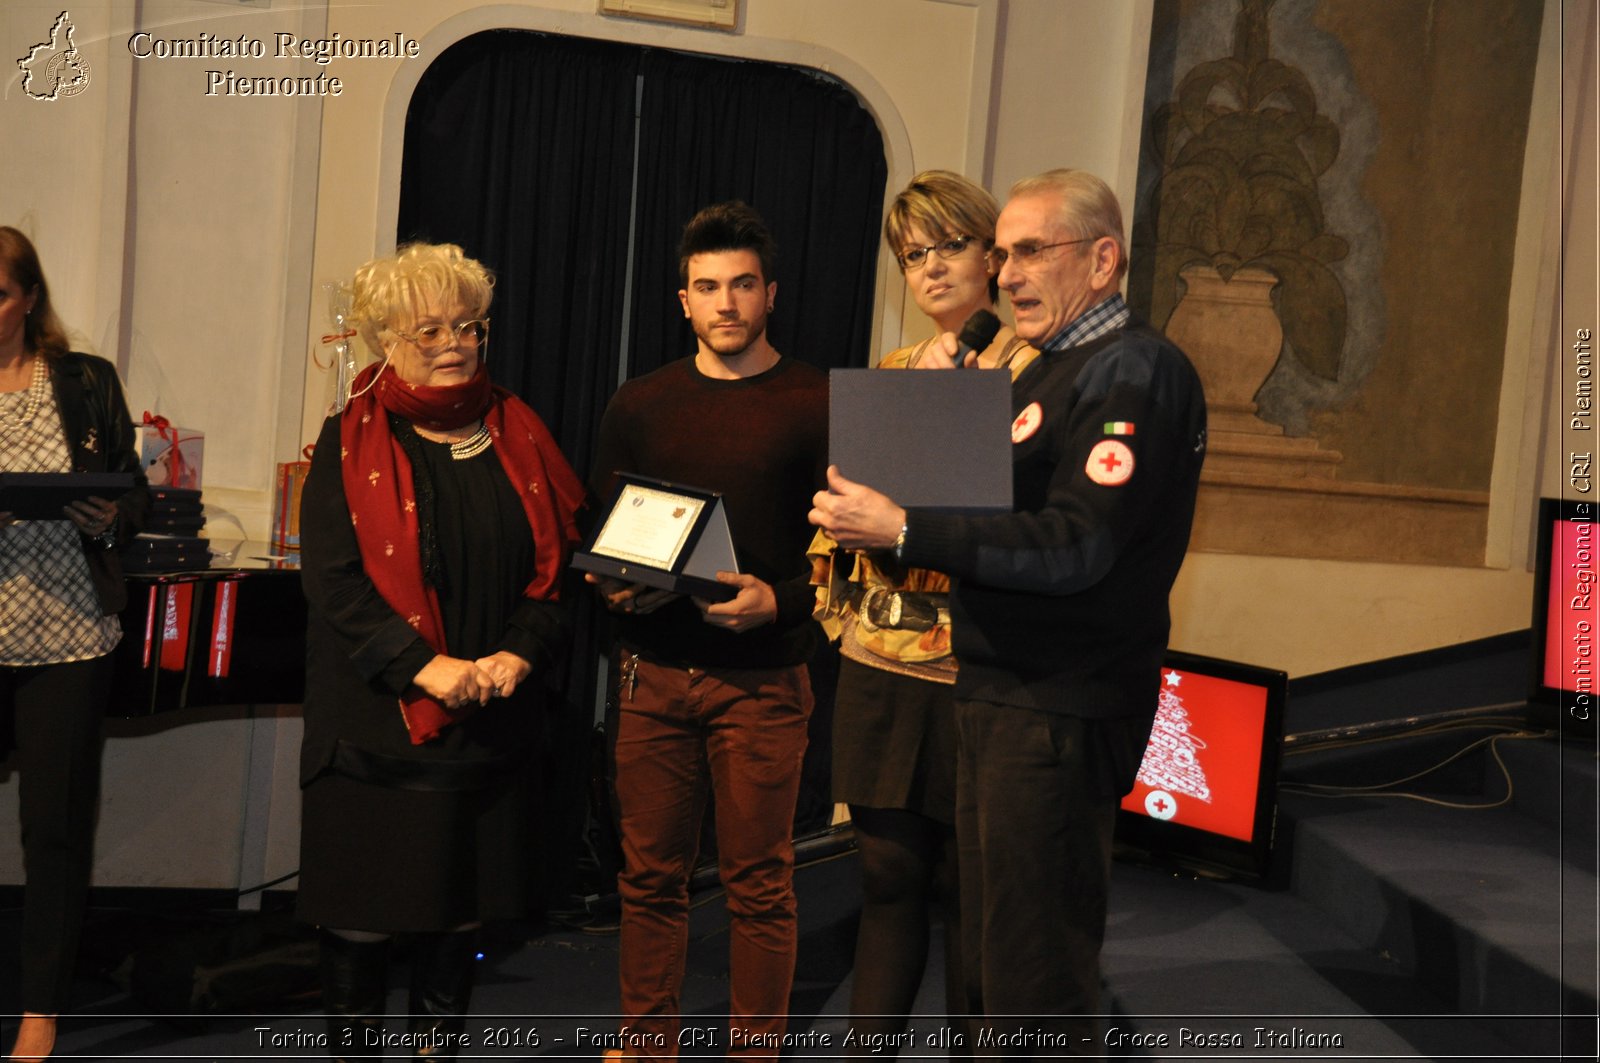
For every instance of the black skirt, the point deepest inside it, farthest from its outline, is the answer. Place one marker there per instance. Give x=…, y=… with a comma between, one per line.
x=392, y=861
x=894, y=742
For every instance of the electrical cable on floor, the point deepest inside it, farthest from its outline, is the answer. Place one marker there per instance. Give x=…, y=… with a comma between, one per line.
x=800, y=865
x=246, y=891
x=1382, y=789
x=1316, y=742
x=705, y=897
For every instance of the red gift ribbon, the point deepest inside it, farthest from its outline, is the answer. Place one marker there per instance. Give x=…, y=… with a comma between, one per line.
x=331, y=337
x=165, y=430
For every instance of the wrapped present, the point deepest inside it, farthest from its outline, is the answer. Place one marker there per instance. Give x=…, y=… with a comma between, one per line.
x=286, y=502
x=170, y=456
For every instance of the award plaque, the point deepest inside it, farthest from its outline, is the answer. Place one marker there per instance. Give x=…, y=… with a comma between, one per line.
x=663, y=535
x=43, y=495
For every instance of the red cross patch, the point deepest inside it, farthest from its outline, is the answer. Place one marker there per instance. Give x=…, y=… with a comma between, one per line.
x=1110, y=463
x=1027, y=422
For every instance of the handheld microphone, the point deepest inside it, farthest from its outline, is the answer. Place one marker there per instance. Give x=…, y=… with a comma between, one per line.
x=976, y=335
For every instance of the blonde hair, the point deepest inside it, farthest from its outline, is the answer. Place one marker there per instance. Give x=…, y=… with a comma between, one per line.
x=1089, y=209
x=943, y=203
x=392, y=289
x=42, y=330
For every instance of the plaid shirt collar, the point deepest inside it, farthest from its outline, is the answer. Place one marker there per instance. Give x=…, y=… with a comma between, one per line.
x=1108, y=315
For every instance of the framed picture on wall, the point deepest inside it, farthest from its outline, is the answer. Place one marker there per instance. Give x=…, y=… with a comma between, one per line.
x=715, y=14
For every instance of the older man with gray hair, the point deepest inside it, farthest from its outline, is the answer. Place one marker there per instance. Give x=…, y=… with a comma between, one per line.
x=1059, y=608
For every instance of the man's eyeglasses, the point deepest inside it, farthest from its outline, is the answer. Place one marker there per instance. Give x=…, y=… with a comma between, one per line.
x=432, y=337
x=949, y=247
x=1024, y=255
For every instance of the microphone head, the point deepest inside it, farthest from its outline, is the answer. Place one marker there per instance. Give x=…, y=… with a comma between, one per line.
x=979, y=331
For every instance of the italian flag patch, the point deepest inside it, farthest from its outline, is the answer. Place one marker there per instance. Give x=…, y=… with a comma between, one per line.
x=1119, y=428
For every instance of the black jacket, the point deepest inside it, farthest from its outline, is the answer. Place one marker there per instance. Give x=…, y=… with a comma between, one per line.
x=99, y=431
x=1061, y=605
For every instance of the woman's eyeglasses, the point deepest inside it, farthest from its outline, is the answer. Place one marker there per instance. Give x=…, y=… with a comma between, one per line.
x=432, y=337
x=950, y=247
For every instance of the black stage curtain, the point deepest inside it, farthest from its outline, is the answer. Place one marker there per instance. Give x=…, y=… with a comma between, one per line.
x=797, y=147
x=519, y=147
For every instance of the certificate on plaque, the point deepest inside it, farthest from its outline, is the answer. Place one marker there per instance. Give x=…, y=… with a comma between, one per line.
x=663, y=535
x=42, y=495
x=924, y=438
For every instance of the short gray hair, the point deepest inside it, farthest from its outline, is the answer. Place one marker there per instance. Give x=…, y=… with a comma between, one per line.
x=1089, y=209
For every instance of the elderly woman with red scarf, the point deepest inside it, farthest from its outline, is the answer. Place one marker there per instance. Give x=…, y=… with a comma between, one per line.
x=436, y=521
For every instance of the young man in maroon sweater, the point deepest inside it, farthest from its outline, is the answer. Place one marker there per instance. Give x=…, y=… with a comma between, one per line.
x=714, y=697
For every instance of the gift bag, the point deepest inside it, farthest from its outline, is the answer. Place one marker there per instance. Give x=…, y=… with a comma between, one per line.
x=286, y=502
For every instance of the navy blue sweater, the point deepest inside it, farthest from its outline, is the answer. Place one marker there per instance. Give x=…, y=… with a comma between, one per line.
x=1061, y=605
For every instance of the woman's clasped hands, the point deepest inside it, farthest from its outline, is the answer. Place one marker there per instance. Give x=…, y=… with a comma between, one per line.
x=458, y=684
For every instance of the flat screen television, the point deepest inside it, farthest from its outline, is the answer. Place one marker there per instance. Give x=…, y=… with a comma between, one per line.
x=1564, y=657
x=1206, y=797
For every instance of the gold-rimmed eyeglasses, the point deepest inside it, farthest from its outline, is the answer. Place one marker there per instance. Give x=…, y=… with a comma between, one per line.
x=1025, y=254
x=433, y=337
x=916, y=257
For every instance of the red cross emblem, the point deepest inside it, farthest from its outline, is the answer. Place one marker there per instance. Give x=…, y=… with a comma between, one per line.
x=1158, y=804
x=1110, y=463
x=1027, y=422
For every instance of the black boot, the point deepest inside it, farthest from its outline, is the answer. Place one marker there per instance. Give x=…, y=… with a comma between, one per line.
x=442, y=971
x=354, y=985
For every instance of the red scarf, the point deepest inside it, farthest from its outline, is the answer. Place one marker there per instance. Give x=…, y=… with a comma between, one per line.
x=383, y=511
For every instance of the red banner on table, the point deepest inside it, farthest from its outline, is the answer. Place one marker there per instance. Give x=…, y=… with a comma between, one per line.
x=222, y=613
x=175, y=626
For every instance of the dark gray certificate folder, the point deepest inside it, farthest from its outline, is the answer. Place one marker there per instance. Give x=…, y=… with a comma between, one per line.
x=927, y=439
x=42, y=495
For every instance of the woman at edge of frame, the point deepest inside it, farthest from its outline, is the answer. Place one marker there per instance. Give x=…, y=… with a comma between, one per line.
x=894, y=740
x=436, y=523
x=61, y=589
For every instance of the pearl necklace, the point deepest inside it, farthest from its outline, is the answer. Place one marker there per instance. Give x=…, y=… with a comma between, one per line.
x=472, y=446
x=469, y=446
x=35, y=399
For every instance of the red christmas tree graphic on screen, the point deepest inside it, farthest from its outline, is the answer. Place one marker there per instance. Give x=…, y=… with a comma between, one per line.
x=1200, y=767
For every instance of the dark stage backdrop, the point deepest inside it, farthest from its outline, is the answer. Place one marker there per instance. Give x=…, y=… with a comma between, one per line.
x=796, y=146
x=521, y=148
x=569, y=168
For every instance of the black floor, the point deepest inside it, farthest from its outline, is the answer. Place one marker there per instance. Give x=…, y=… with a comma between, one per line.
x=1403, y=929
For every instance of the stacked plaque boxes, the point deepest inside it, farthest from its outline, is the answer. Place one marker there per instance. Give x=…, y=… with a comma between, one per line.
x=172, y=539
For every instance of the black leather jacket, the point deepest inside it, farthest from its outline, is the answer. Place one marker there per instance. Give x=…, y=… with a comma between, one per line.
x=94, y=416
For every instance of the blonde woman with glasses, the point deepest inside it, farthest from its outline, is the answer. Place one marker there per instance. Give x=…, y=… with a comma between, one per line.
x=894, y=752
x=436, y=521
